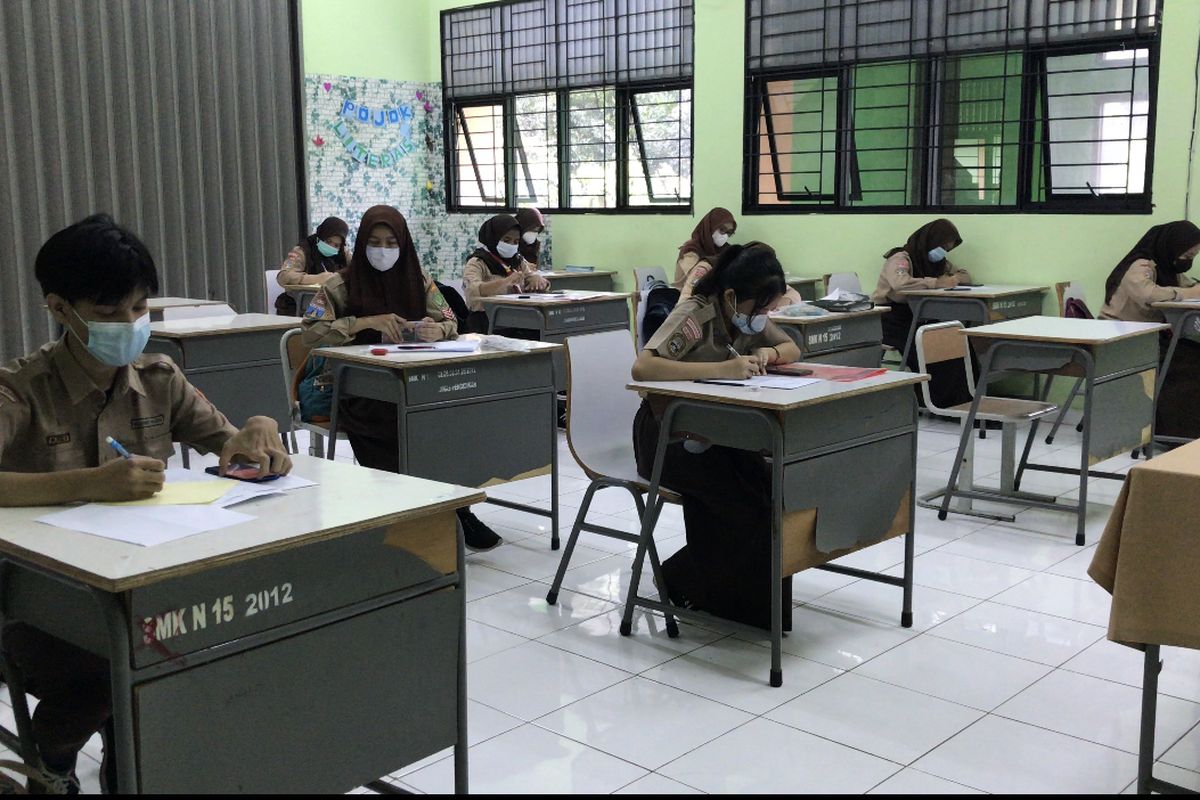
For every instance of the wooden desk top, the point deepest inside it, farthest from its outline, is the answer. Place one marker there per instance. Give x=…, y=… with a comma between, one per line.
x=216, y=326
x=569, y=298
x=777, y=399
x=989, y=291
x=572, y=274
x=1182, y=305
x=361, y=354
x=1065, y=329
x=832, y=316
x=347, y=499
x=790, y=279
x=159, y=303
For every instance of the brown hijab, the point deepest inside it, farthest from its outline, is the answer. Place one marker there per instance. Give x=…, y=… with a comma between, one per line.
x=701, y=242
x=400, y=290
x=530, y=219
x=925, y=238
x=490, y=234
x=1162, y=244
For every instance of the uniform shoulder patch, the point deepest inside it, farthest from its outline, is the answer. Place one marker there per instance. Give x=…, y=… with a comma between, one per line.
x=691, y=330
x=316, y=307
x=676, y=344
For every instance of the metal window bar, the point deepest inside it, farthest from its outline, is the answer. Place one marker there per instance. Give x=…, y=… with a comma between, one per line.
x=659, y=147
x=465, y=146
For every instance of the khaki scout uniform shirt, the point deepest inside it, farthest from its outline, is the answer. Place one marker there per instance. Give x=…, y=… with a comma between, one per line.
x=1138, y=289
x=689, y=270
x=476, y=272
x=695, y=331
x=896, y=278
x=294, y=270
x=327, y=325
x=53, y=417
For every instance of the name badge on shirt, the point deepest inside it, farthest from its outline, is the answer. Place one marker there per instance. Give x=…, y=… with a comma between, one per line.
x=147, y=422
x=58, y=438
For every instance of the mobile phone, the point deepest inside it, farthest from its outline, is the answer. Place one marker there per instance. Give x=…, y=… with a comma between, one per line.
x=240, y=472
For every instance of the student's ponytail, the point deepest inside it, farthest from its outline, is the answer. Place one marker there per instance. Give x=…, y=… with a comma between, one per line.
x=752, y=270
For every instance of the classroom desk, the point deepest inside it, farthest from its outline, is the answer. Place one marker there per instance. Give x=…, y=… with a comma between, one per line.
x=853, y=339
x=233, y=360
x=602, y=281
x=976, y=305
x=475, y=419
x=1116, y=361
x=816, y=437
x=157, y=304
x=556, y=320
x=303, y=295
x=316, y=648
x=808, y=288
x=1184, y=319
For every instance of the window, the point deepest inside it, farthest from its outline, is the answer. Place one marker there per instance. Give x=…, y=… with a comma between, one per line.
x=1010, y=104
x=569, y=105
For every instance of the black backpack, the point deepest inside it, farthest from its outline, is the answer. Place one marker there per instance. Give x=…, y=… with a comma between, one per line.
x=457, y=305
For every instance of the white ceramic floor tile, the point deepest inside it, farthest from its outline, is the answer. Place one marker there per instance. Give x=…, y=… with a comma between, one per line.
x=510, y=518
x=1075, y=566
x=1062, y=523
x=532, y=558
x=1186, y=753
x=813, y=583
x=656, y=784
x=607, y=578
x=881, y=603
x=910, y=781
x=483, y=723
x=600, y=639
x=644, y=722
x=531, y=680
x=833, y=638
x=530, y=759
x=961, y=575
x=1099, y=711
x=1180, y=675
x=483, y=581
x=484, y=640
x=876, y=717
x=1028, y=550
x=1083, y=601
x=764, y=757
x=955, y=672
x=877, y=557
x=737, y=673
x=525, y=612
x=1005, y=757
x=1024, y=634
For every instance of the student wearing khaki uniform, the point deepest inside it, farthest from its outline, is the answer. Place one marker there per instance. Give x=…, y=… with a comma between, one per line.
x=312, y=262
x=57, y=406
x=1153, y=272
x=722, y=331
x=379, y=298
x=497, y=268
x=699, y=254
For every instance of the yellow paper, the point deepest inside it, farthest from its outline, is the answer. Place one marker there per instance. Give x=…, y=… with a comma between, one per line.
x=186, y=493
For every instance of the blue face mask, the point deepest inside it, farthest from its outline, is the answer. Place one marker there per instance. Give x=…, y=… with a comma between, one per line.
x=327, y=250
x=748, y=324
x=116, y=344
x=937, y=254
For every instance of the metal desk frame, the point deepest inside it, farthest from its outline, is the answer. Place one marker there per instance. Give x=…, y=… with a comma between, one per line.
x=386, y=383
x=774, y=432
x=1179, y=319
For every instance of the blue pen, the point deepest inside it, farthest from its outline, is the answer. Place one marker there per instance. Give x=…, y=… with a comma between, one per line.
x=115, y=445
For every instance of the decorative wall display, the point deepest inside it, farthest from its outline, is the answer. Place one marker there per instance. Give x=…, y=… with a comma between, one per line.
x=372, y=141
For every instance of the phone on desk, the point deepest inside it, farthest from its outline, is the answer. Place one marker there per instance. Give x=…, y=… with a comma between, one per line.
x=789, y=369
x=240, y=472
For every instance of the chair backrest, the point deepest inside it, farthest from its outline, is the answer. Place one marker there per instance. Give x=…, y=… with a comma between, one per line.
x=292, y=354
x=846, y=281
x=643, y=274
x=600, y=410
x=273, y=290
x=940, y=343
x=196, y=312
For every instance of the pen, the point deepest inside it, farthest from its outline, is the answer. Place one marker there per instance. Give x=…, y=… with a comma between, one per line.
x=115, y=445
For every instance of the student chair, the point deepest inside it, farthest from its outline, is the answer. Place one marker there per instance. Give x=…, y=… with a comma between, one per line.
x=943, y=342
x=292, y=355
x=273, y=289
x=197, y=312
x=644, y=276
x=846, y=281
x=600, y=412
x=1071, y=303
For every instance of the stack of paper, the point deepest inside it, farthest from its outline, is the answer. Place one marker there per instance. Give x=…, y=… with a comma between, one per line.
x=455, y=346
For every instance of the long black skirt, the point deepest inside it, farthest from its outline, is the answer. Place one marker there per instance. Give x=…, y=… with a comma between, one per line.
x=725, y=567
x=1177, y=404
x=947, y=381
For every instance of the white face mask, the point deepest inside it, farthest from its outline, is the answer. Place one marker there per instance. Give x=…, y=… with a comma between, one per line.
x=719, y=238
x=506, y=250
x=383, y=258
x=529, y=236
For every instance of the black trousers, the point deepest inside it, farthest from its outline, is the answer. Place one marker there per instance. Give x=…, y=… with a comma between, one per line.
x=1181, y=388
x=725, y=567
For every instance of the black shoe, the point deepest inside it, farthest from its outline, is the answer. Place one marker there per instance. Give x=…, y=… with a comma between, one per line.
x=52, y=782
x=477, y=536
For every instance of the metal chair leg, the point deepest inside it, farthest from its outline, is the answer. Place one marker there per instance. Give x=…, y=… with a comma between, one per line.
x=1062, y=411
x=565, y=561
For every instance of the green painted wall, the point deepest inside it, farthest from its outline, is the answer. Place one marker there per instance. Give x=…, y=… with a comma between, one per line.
x=997, y=247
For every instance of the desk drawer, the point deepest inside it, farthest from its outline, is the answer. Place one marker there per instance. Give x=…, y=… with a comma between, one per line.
x=227, y=348
x=564, y=318
x=836, y=333
x=870, y=355
x=321, y=712
x=184, y=615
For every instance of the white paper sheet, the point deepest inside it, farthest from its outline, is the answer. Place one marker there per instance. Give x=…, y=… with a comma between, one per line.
x=144, y=525
x=455, y=346
x=244, y=490
x=766, y=382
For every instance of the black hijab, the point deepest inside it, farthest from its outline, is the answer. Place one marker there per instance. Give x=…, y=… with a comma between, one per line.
x=530, y=219
x=1162, y=244
x=490, y=234
x=319, y=262
x=400, y=290
x=925, y=238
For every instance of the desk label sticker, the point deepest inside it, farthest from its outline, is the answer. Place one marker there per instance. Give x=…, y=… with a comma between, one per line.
x=221, y=611
x=827, y=336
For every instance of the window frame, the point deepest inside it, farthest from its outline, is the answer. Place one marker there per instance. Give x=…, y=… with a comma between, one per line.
x=928, y=151
x=623, y=102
